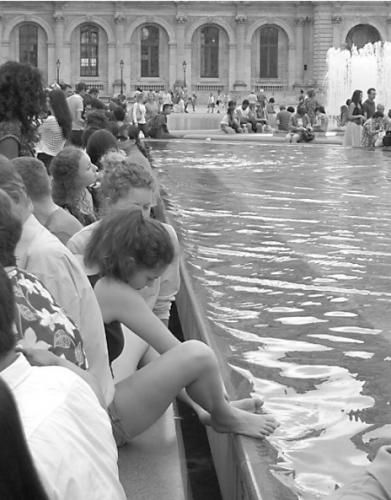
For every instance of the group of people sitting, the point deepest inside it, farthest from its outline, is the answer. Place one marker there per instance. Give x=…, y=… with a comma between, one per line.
x=87, y=264
x=255, y=116
x=366, y=124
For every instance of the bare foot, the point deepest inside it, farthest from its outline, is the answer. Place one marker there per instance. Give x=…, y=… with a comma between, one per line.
x=243, y=422
x=252, y=405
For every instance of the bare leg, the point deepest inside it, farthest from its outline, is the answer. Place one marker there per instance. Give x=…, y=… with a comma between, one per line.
x=142, y=398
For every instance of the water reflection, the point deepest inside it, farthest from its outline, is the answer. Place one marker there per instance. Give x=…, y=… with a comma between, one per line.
x=289, y=248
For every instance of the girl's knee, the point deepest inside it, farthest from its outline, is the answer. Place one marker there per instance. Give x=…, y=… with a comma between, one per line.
x=194, y=350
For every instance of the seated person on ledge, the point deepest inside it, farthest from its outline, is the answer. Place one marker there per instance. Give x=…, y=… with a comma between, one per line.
x=321, y=120
x=156, y=127
x=300, y=129
x=282, y=118
x=246, y=117
x=230, y=124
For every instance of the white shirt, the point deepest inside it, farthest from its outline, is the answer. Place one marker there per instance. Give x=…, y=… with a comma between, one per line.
x=76, y=105
x=161, y=292
x=42, y=254
x=138, y=113
x=68, y=432
x=52, y=140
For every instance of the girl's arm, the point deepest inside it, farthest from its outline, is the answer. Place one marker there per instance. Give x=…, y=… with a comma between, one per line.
x=122, y=303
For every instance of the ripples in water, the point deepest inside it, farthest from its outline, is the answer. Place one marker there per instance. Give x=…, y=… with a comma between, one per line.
x=288, y=248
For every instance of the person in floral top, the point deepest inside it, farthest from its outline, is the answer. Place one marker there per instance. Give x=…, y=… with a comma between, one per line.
x=40, y=322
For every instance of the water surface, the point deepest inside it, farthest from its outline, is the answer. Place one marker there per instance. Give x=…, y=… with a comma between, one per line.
x=291, y=248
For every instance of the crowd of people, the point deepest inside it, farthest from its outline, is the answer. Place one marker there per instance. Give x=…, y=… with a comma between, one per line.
x=366, y=124
x=257, y=114
x=88, y=263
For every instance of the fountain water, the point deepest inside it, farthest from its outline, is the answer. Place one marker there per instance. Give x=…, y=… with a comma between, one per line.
x=358, y=69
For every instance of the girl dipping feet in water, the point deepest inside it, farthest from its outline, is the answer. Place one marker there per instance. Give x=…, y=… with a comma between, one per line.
x=128, y=251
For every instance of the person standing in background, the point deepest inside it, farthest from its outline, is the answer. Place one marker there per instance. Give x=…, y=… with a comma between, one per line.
x=355, y=120
x=76, y=107
x=369, y=106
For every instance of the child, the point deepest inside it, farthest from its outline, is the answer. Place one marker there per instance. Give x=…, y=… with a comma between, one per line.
x=129, y=251
x=372, y=130
x=230, y=124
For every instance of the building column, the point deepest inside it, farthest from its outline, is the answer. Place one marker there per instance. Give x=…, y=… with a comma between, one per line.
x=127, y=58
x=3, y=55
x=322, y=41
x=241, y=63
x=247, y=67
x=292, y=76
x=65, y=69
x=181, y=21
x=172, y=64
x=232, y=66
x=52, y=68
x=113, y=69
x=119, y=21
x=299, y=36
x=388, y=21
x=59, y=33
x=57, y=52
x=336, y=21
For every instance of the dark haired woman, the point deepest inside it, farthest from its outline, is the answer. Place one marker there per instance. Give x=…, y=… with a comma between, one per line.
x=127, y=252
x=56, y=129
x=73, y=172
x=22, y=99
x=355, y=120
x=19, y=479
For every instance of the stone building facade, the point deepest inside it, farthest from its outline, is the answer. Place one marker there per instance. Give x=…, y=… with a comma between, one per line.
x=235, y=46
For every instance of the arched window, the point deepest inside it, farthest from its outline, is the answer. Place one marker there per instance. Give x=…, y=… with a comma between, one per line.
x=210, y=52
x=28, y=44
x=269, y=52
x=360, y=35
x=149, y=51
x=89, y=45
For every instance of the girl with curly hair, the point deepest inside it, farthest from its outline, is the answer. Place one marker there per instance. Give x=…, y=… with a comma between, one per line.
x=73, y=174
x=56, y=129
x=22, y=99
x=127, y=251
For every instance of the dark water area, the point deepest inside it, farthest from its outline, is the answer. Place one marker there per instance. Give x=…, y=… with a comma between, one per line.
x=291, y=248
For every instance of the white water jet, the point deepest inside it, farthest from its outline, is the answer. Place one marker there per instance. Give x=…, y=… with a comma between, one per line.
x=360, y=69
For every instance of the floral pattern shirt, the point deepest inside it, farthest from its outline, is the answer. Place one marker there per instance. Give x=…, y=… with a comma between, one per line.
x=41, y=323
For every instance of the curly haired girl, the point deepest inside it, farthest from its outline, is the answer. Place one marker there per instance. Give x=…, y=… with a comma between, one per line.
x=129, y=251
x=22, y=99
